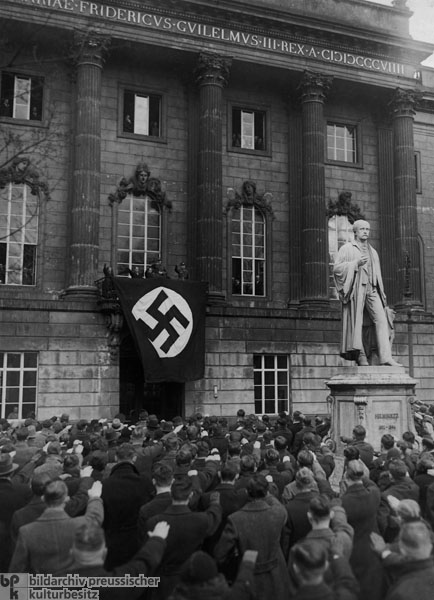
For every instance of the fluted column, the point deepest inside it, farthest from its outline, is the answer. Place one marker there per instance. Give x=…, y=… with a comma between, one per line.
x=212, y=75
x=314, y=243
x=84, y=241
x=407, y=244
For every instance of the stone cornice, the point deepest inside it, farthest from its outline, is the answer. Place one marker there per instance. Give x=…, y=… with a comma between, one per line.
x=270, y=21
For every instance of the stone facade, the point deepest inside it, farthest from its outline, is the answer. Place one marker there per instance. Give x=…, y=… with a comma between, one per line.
x=299, y=64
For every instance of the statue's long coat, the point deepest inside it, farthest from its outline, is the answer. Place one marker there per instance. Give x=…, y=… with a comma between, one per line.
x=349, y=278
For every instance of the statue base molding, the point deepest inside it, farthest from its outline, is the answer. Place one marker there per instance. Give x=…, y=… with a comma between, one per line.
x=377, y=397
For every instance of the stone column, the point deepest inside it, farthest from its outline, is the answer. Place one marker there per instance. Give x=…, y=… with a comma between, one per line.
x=85, y=215
x=314, y=243
x=212, y=75
x=407, y=244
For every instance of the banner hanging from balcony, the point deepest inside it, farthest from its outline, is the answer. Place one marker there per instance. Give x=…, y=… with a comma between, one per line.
x=167, y=321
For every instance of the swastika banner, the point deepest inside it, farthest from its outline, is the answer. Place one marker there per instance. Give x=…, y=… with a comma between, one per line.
x=166, y=318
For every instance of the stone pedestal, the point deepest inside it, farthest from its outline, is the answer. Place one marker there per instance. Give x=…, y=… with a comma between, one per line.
x=376, y=397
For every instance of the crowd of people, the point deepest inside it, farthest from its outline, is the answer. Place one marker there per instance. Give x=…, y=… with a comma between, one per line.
x=223, y=509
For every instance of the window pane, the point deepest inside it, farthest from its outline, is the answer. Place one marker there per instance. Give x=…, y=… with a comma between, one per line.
x=14, y=360
x=141, y=115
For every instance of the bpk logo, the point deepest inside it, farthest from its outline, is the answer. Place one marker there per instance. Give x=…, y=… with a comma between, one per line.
x=168, y=320
x=14, y=586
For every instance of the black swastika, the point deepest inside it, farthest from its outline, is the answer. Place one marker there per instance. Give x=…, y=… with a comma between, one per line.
x=164, y=321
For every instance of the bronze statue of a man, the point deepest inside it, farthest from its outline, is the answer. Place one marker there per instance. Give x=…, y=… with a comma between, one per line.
x=359, y=283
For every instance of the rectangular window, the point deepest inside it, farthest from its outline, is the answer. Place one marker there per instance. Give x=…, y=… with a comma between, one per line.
x=248, y=252
x=342, y=143
x=141, y=114
x=271, y=383
x=21, y=97
x=139, y=234
x=18, y=383
x=248, y=129
x=18, y=235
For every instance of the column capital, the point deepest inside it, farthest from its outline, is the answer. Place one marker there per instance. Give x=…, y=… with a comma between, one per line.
x=403, y=103
x=314, y=87
x=90, y=47
x=212, y=69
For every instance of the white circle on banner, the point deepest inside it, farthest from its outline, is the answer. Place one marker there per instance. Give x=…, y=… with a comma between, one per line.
x=168, y=318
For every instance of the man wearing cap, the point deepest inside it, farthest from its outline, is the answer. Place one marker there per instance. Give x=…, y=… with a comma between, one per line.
x=359, y=283
x=12, y=497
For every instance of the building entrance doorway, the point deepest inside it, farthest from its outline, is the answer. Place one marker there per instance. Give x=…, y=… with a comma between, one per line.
x=165, y=399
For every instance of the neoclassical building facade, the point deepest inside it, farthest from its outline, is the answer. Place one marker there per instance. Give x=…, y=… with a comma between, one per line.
x=235, y=142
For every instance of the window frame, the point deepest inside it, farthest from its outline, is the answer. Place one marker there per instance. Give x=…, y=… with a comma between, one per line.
x=22, y=369
x=130, y=250
x=267, y=261
x=20, y=121
x=36, y=246
x=358, y=164
x=145, y=91
x=267, y=127
x=276, y=369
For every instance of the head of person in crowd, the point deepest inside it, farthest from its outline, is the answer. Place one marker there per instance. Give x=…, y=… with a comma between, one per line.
x=320, y=512
x=354, y=472
x=234, y=448
x=126, y=453
x=55, y=494
x=229, y=473
x=305, y=459
x=280, y=443
x=408, y=510
x=387, y=442
x=181, y=490
x=409, y=438
x=162, y=476
x=71, y=465
x=309, y=562
x=424, y=464
x=310, y=441
x=304, y=479
x=247, y=465
x=268, y=437
x=398, y=470
x=7, y=466
x=427, y=444
x=257, y=487
x=38, y=483
x=359, y=433
x=202, y=449
x=271, y=457
x=415, y=540
x=351, y=453
x=171, y=442
x=21, y=434
x=192, y=433
x=183, y=458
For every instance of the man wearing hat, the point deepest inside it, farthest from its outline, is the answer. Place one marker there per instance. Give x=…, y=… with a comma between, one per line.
x=12, y=497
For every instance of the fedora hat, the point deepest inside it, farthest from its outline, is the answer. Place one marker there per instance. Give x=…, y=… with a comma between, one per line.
x=153, y=422
x=111, y=435
x=6, y=465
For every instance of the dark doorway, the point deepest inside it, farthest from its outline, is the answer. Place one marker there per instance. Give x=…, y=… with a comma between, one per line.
x=166, y=399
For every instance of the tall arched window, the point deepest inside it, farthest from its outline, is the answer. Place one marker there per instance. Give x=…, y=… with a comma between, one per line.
x=248, y=246
x=139, y=233
x=19, y=215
